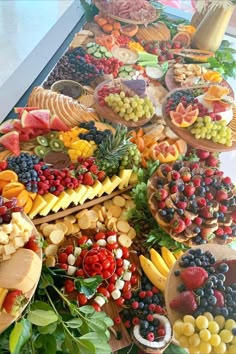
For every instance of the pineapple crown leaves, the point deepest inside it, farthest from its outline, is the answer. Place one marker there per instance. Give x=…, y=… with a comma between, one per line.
x=202, y=5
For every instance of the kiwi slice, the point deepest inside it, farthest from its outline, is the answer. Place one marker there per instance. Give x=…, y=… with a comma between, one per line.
x=56, y=145
x=42, y=140
x=52, y=135
x=40, y=150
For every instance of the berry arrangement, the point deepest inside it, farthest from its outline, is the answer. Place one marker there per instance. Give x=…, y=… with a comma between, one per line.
x=162, y=49
x=7, y=208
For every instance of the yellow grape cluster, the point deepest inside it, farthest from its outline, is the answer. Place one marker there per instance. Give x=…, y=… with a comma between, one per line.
x=206, y=334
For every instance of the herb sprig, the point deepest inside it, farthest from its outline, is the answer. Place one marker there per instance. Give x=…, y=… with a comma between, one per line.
x=224, y=60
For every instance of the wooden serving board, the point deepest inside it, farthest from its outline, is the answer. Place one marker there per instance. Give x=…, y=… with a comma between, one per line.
x=220, y=252
x=171, y=84
x=108, y=114
x=72, y=210
x=5, y=319
x=185, y=134
x=126, y=20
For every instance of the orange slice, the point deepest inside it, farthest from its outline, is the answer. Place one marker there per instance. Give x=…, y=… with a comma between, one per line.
x=216, y=92
x=13, y=192
x=8, y=175
x=22, y=198
x=28, y=205
x=11, y=185
x=184, y=117
x=3, y=184
x=32, y=195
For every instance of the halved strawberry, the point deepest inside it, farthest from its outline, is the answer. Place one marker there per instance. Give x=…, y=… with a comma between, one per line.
x=13, y=302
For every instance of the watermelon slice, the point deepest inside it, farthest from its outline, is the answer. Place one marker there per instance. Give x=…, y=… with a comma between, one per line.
x=7, y=126
x=29, y=121
x=219, y=106
x=11, y=142
x=57, y=124
x=43, y=115
x=20, y=110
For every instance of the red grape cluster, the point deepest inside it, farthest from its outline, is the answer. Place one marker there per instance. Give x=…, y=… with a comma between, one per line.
x=108, y=66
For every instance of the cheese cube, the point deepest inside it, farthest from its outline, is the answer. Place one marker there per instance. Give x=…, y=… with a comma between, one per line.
x=1, y=249
x=15, y=231
x=9, y=249
x=51, y=201
x=7, y=228
x=4, y=239
x=18, y=242
x=125, y=177
x=115, y=181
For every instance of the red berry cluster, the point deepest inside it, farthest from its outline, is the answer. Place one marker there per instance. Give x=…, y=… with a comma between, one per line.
x=162, y=49
x=108, y=66
x=204, y=111
x=7, y=208
x=109, y=260
x=106, y=91
x=87, y=171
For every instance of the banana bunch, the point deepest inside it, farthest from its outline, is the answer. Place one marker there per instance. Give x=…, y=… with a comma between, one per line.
x=157, y=268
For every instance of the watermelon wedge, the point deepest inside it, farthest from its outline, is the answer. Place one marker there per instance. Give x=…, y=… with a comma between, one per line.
x=219, y=106
x=20, y=110
x=30, y=121
x=7, y=126
x=43, y=115
x=11, y=142
x=57, y=124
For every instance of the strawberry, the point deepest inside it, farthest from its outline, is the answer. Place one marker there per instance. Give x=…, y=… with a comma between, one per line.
x=3, y=165
x=212, y=161
x=174, y=189
x=219, y=232
x=62, y=258
x=181, y=205
x=161, y=194
x=209, y=172
x=201, y=202
x=209, y=196
x=175, y=175
x=187, y=221
x=186, y=176
x=101, y=175
x=69, y=286
x=227, y=180
x=194, y=165
x=208, y=180
x=227, y=230
x=206, y=212
x=90, y=161
x=202, y=154
x=198, y=221
x=220, y=298
x=177, y=225
x=13, y=302
x=93, y=169
x=33, y=244
x=88, y=179
x=194, y=277
x=221, y=195
x=185, y=302
x=189, y=190
x=69, y=249
x=196, y=181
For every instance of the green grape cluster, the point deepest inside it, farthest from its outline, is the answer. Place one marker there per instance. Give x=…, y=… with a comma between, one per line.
x=130, y=108
x=217, y=131
x=131, y=158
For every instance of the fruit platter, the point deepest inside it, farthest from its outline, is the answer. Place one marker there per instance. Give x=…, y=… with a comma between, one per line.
x=203, y=116
x=124, y=102
x=200, y=304
x=117, y=222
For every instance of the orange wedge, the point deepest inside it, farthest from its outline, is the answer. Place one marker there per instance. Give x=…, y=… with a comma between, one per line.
x=28, y=205
x=22, y=198
x=215, y=93
x=13, y=192
x=11, y=185
x=8, y=175
x=3, y=184
x=32, y=195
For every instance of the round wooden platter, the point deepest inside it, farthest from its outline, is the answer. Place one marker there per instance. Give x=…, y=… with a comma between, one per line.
x=5, y=319
x=185, y=134
x=171, y=84
x=126, y=20
x=108, y=114
x=220, y=252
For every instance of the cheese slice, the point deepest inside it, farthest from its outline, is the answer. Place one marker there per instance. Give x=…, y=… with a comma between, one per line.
x=38, y=204
x=61, y=200
x=115, y=181
x=21, y=271
x=125, y=177
x=72, y=196
x=80, y=191
x=51, y=201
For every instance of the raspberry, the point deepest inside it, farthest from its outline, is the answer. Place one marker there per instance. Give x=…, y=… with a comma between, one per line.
x=150, y=317
x=142, y=294
x=135, y=321
x=149, y=293
x=127, y=324
x=227, y=230
x=135, y=305
x=198, y=221
x=158, y=309
x=223, y=208
x=151, y=307
x=155, y=290
x=187, y=221
x=227, y=180
x=150, y=336
x=219, y=232
x=209, y=196
x=117, y=320
x=161, y=332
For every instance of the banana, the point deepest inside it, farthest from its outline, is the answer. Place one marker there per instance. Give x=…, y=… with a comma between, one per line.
x=3, y=293
x=155, y=277
x=168, y=257
x=178, y=254
x=159, y=262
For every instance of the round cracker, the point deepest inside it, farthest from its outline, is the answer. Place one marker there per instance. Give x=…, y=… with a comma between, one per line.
x=119, y=201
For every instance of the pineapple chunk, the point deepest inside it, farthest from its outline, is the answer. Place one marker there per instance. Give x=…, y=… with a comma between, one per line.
x=80, y=191
x=97, y=188
x=61, y=200
x=38, y=204
x=125, y=178
x=72, y=196
x=133, y=178
x=90, y=192
x=85, y=196
x=51, y=201
x=106, y=185
x=115, y=181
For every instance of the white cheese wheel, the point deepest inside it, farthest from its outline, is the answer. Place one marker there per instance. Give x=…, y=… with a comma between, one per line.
x=21, y=271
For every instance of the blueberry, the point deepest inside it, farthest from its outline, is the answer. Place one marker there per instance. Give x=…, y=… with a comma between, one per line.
x=221, y=276
x=212, y=300
x=177, y=273
x=200, y=292
x=223, y=267
x=203, y=302
x=181, y=288
x=224, y=311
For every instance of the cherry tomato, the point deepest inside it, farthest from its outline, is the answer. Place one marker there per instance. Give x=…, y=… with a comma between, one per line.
x=106, y=274
x=100, y=236
x=103, y=291
x=80, y=273
x=134, y=279
x=127, y=295
x=82, y=240
x=119, y=262
x=132, y=267
x=119, y=271
x=96, y=307
x=95, y=258
x=120, y=301
x=112, y=246
x=101, y=257
x=82, y=299
x=113, y=278
x=88, y=260
x=110, y=233
x=83, y=253
x=106, y=264
x=125, y=251
x=95, y=246
x=111, y=287
x=79, y=261
x=96, y=267
x=127, y=286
